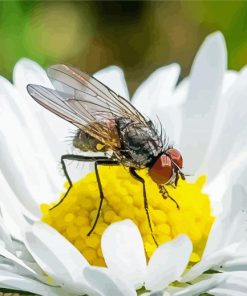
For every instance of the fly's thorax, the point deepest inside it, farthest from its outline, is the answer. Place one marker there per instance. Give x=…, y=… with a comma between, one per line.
x=85, y=142
x=139, y=143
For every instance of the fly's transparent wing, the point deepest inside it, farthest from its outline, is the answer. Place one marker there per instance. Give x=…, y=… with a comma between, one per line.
x=85, y=102
x=59, y=103
x=54, y=101
x=91, y=94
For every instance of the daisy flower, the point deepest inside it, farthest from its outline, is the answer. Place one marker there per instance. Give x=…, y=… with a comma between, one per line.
x=204, y=116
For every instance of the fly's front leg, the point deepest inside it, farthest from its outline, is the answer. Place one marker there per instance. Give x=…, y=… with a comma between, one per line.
x=98, y=163
x=140, y=179
x=163, y=191
x=77, y=158
x=176, y=179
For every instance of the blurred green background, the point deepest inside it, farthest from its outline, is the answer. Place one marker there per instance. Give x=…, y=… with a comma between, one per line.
x=137, y=36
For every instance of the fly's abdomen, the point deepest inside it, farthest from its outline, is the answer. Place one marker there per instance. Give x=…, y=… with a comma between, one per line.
x=85, y=142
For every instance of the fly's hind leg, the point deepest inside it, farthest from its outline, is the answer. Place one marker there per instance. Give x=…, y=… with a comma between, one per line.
x=77, y=158
x=140, y=179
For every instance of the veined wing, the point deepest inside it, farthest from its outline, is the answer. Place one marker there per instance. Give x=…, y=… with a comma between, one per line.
x=57, y=102
x=88, y=90
x=85, y=102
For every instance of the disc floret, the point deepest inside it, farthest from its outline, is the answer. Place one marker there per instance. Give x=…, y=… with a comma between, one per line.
x=75, y=216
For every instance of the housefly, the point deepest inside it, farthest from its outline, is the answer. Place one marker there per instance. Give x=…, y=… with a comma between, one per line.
x=107, y=122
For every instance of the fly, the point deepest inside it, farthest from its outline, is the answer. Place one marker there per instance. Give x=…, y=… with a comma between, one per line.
x=107, y=122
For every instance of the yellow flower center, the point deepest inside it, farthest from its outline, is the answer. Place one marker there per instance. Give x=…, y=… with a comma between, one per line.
x=74, y=217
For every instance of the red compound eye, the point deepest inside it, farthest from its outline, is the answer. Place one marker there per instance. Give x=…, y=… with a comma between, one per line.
x=176, y=157
x=162, y=170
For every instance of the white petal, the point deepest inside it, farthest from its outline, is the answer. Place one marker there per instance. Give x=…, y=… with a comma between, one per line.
x=56, y=133
x=200, y=287
x=7, y=267
x=237, y=264
x=168, y=263
x=14, y=188
x=229, y=82
x=15, y=145
x=5, y=236
x=170, y=113
x=155, y=98
x=14, y=281
x=29, y=71
x=216, y=234
x=12, y=210
x=213, y=261
x=229, y=79
x=22, y=252
x=17, y=262
x=113, y=77
x=123, y=251
x=53, y=127
x=238, y=174
x=24, y=148
x=156, y=90
x=226, y=292
x=230, y=129
x=106, y=283
x=230, y=226
x=233, y=172
x=159, y=293
x=199, y=110
x=238, y=216
x=234, y=285
x=57, y=257
x=181, y=91
x=171, y=119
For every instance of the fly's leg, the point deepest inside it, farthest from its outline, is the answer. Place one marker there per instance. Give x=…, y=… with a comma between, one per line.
x=140, y=179
x=165, y=195
x=176, y=179
x=98, y=163
x=182, y=175
x=178, y=173
x=77, y=158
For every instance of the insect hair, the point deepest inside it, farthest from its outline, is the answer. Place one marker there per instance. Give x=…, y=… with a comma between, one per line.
x=71, y=135
x=163, y=135
x=160, y=131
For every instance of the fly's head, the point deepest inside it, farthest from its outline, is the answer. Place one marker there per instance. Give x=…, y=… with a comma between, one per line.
x=167, y=168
